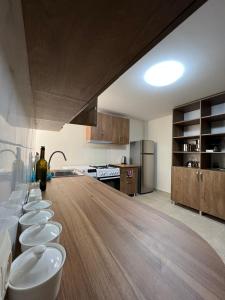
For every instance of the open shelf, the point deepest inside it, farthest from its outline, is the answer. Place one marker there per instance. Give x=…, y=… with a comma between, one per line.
x=216, y=117
x=220, y=152
x=187, y=122
x=187, y=137
x=186, y=152
x=214, y=134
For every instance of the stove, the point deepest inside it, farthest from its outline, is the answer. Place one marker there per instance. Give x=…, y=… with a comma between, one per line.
x=107, y=171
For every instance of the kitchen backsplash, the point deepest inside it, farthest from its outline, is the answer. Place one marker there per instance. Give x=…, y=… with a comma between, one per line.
x=16, y=106
x=71, y=140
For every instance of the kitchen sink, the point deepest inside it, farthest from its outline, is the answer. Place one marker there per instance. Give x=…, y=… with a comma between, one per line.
x=65, y=173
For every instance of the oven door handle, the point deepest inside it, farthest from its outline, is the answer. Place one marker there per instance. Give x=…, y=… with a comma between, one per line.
x=107, y=178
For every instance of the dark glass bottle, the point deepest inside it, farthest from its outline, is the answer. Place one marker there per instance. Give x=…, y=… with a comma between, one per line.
x=41, y=170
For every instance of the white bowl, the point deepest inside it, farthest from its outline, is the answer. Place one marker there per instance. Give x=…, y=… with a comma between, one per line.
x=36, y=273
x=34, y=205
x=35, y=217
x=40, y=235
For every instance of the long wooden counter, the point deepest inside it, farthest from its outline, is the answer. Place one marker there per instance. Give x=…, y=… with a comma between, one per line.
x=118, y=248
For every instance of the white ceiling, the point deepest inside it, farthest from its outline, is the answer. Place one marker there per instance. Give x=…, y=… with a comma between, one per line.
x=198, y=43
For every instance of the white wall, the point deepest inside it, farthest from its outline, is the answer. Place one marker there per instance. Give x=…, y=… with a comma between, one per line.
x=71, y=140
x=160, y=131
x=16, y=105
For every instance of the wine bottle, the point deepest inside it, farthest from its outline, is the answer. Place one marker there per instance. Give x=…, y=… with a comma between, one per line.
x=41, y=170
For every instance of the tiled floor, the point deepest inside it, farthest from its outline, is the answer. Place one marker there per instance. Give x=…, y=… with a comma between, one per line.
x=211, y=230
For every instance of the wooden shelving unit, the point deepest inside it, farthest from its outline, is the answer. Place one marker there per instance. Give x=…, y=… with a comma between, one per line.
x=200, y=186
x=203, y=121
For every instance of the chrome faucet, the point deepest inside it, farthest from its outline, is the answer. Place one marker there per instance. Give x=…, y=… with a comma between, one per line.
x=53, y=154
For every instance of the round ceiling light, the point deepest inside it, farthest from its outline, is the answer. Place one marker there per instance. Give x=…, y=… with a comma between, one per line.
x=164, y=73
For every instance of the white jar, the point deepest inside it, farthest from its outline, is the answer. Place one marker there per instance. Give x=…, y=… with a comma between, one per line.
x=36, y=273
x=40, y=234
x=35, y=217
x=34, y=205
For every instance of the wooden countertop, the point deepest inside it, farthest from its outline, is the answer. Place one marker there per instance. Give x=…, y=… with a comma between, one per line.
x=125, y=166
x=119, y=248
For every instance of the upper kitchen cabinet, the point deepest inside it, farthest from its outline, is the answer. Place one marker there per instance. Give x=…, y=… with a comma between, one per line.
x=120, y=130
x=76, y=49
x=102, y=132
x=109, y=129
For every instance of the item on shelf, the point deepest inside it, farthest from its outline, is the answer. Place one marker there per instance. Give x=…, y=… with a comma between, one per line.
x=216, y=148
x=190, y=147
x=197, y=145
x=192, y=164
x=209, y=150
x=185, y=147
x=189, y=164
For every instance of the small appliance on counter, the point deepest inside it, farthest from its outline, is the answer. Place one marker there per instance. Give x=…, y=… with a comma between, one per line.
x=123, y=160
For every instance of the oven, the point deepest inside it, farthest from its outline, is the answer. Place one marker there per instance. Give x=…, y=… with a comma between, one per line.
x=113, y=181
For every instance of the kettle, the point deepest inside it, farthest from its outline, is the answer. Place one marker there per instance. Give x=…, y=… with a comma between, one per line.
x=124, y=160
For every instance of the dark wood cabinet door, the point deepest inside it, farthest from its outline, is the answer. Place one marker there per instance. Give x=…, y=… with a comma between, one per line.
x=109, y=129
x=96, y=131
x=103, y=130
x=106, y=127
x=213, y=193
x=186, y=186
x=177, y=194
x=128, y=180
x=191, y=187
x=116, y=124
x=125, y=131
x=120, y=130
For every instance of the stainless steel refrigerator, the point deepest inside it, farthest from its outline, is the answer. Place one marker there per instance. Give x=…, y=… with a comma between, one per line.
x=142, y=153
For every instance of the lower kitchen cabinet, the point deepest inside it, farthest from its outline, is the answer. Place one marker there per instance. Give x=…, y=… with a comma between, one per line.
x=186, y=187
x=128, y=180
x=213, y=193
x=203, y=190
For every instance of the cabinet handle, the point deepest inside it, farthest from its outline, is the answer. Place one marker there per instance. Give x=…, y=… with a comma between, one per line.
x=201, y=175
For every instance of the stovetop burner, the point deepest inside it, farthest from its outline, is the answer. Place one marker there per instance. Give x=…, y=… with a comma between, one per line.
x=107, y=171
x=103, y=167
